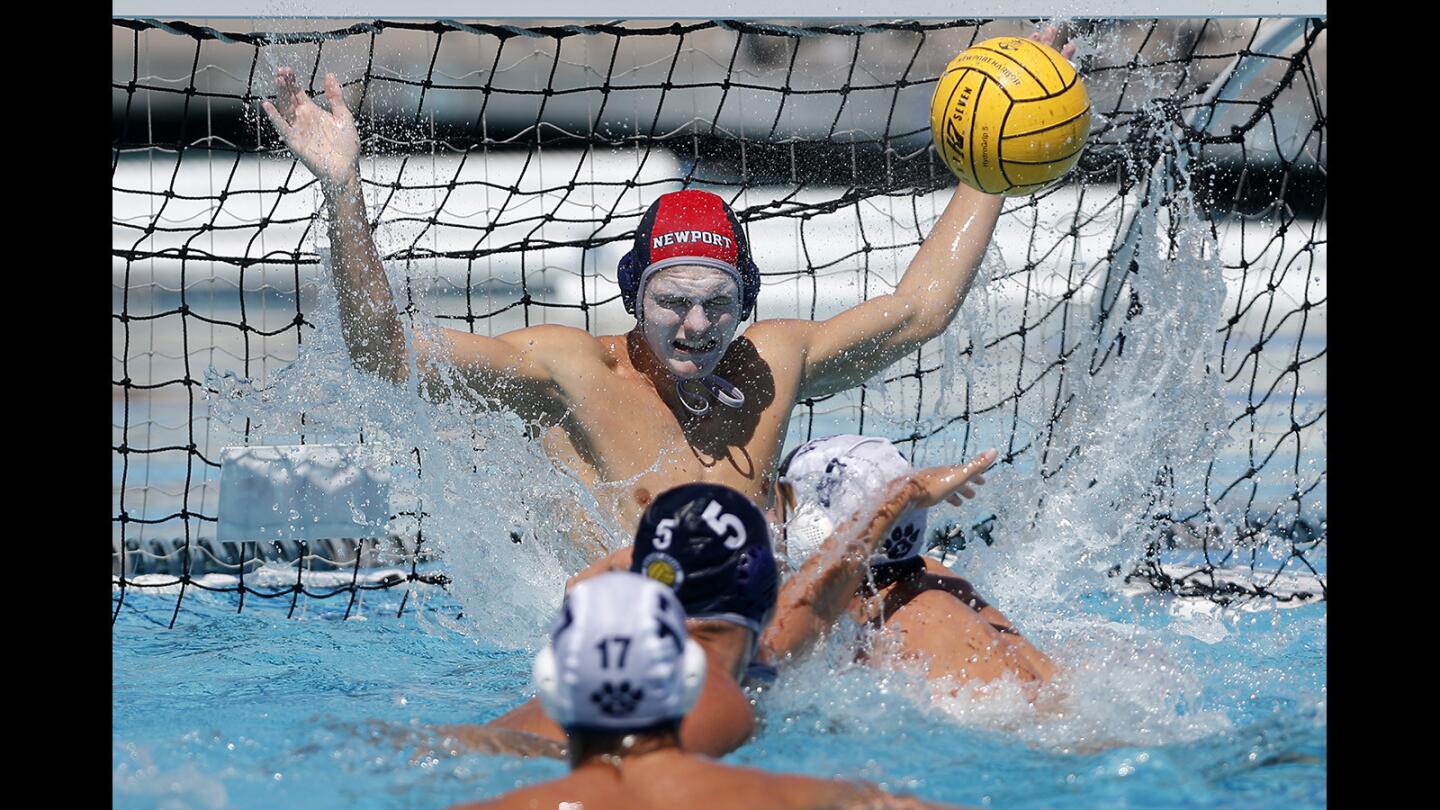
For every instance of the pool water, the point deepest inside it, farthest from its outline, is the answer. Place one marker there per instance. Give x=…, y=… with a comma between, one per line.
x=1164, y=702
x=252, y=709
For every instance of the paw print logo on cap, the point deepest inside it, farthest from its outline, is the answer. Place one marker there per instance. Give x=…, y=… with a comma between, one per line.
x=901, y=541
x=617, y=699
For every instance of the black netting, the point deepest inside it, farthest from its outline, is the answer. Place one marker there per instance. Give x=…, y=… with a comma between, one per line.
x=508, y=165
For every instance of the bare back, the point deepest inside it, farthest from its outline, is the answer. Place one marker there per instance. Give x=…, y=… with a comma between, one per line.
x=668, y=779
x=952, y=636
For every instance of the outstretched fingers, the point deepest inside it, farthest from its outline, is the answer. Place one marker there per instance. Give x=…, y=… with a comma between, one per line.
x=326, y=142
x=965, y=492
x=336, y=98
x=1046, y=36
x=289, y=98
x=276, y=119
x=948, y=483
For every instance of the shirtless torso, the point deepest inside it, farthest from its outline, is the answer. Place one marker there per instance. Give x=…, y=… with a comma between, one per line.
x=607, y=405
x=629, y=439
x=942, y=625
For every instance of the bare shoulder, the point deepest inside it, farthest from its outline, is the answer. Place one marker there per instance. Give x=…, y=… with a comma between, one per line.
x=844, y=794
x=794, y=790
x=939, y=615
x=779, y=329
x=841, y=794
x=618, y=560
x=548, y=337
x=563, y=351
x=547, y=795
x=779, y=339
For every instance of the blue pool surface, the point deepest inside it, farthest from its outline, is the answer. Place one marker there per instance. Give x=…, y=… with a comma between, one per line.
x=252, y=709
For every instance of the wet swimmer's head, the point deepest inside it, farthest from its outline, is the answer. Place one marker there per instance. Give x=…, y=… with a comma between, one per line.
x=712, y=545
x=689, y=280
x=824, y=482
x=690, y=316
x=619, y=659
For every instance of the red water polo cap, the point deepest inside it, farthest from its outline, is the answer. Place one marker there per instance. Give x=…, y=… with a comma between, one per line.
x=689, y=227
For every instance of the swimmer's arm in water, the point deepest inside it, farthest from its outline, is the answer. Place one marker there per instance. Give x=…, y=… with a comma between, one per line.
x=488, y=740
x=512, y=368
x=812, y=599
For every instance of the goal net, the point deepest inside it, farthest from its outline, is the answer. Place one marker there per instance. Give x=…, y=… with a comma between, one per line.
x=1145, y=343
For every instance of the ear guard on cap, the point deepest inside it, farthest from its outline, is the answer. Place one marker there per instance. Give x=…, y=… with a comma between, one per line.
x=692, y=675
x=807, y=529
x=557, y=694
x=553, y=699
x=628, y=276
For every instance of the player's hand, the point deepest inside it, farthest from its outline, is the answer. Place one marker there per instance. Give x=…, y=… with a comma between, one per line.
x=1046, y=36
x=951, y=483
x=326, y=142
x=920, y=489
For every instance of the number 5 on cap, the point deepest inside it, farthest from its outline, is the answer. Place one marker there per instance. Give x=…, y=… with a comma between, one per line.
x=722, y=523
x=662, y=538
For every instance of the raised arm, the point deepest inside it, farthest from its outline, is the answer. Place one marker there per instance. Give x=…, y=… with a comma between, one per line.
x=864, y=340
x=511, y=368
x=327, y=143
x=814, y=597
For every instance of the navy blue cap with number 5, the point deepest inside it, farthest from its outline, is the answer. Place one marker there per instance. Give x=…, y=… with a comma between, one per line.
x=710, y=544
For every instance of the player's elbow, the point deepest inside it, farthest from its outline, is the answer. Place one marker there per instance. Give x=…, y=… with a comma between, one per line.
x=924, y=318
x=379, y=352
x=388, y=369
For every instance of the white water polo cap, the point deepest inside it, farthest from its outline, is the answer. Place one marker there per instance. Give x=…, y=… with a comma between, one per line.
x=837, y=476
x=619, y=658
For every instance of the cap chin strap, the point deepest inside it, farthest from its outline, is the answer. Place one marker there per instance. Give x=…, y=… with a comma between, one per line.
x=698, y=403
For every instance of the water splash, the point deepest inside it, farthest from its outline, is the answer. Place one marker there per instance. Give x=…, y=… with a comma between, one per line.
x=492, y=507
x=1138, y=396
x=1119, y=686
x=1135, y=396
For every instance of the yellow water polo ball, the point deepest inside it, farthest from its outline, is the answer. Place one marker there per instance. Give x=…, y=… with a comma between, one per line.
x=1009, y=116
